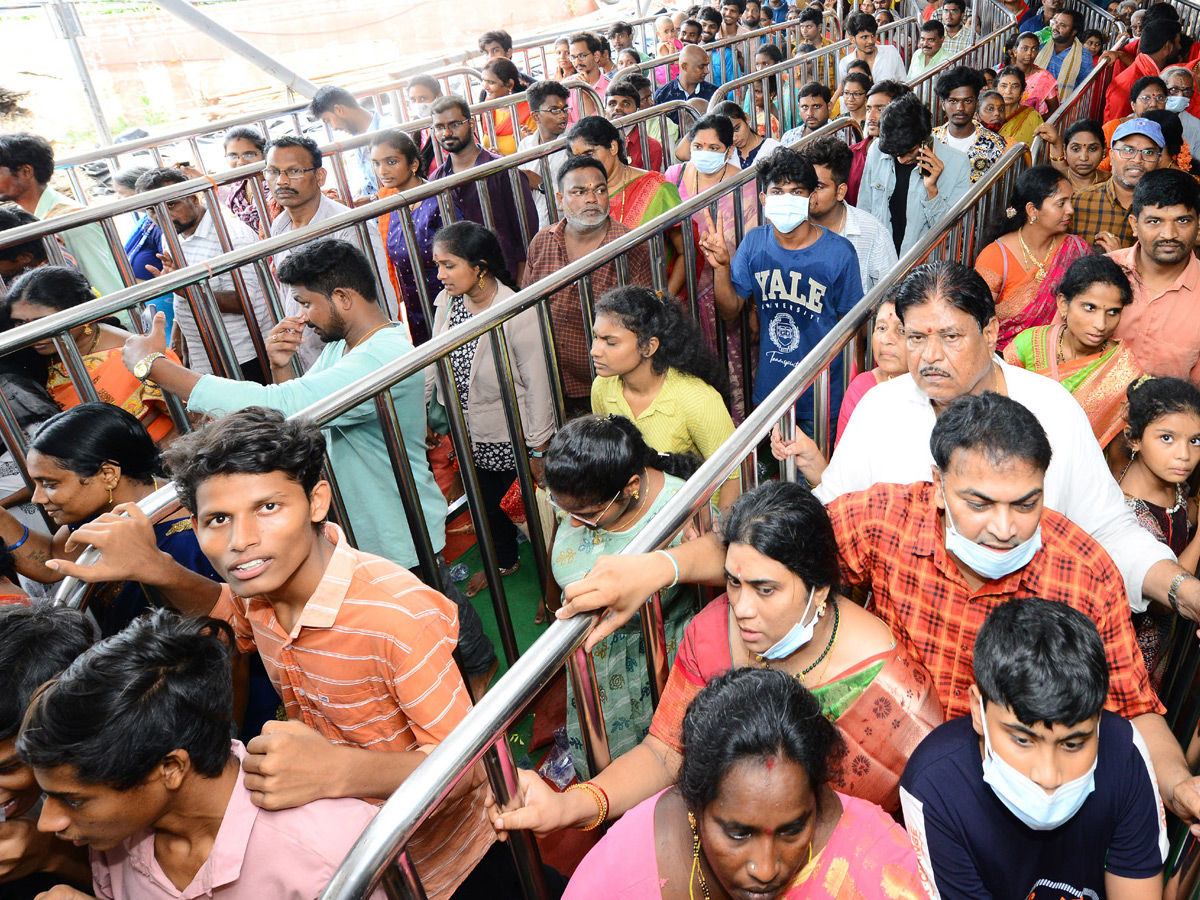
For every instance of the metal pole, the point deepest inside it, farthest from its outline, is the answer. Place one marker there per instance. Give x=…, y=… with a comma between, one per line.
x=181, y=9
x=64, y=22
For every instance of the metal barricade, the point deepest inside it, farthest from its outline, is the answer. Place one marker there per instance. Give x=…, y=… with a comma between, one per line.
x=484, y=727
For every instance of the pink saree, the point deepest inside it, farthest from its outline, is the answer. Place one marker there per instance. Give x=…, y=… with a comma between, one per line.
x=868, y=857
x=1021, y=300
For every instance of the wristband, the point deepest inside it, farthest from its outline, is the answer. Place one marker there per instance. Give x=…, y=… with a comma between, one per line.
x=675, y=580
x=24, y=538
x=597, y=794
x=537, y=454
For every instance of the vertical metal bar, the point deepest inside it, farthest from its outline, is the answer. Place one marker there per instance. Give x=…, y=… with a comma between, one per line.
x=582, y=673
x=393, y=438
x=14, y=439
x=502, y=776
x=216, y=210
x=402, y=881
x=339, y=503
x=420, y=278
x=516, y=434
x=483, y=531
x=787, y=430
x=72, y=360
x=654, y=636
x=821, y=411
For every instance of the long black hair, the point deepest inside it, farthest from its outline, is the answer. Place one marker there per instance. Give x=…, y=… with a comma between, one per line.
x=592, y=458
x=54, y=286
x=750, y=714
x=85, y=437
x=479, y=247
x=680, y=344
x=1035, y=185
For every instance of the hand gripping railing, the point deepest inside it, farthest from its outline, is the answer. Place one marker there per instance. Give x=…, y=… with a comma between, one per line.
x=485, y=725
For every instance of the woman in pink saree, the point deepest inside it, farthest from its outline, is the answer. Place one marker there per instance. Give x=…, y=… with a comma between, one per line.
x=753, y=812
x=1030, y=252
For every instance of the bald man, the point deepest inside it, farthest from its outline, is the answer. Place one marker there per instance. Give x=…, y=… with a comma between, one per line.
x=692, y=83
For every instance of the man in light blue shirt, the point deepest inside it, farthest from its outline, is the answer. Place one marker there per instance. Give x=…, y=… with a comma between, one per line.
x=337, y=108
x=336, y=291
x=910, y=181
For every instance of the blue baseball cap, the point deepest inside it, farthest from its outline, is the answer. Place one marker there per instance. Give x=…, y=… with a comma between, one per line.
x=1143, y=127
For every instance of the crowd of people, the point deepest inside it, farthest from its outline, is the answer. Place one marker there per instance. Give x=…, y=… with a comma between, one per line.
x=899, y=689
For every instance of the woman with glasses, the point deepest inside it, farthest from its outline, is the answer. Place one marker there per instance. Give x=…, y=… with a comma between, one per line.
x=1030, y=251
x=471, y=268
x=605, y=484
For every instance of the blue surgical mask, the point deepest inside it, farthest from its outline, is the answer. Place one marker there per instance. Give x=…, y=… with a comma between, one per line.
x=1025, y=799
x=991, y=564
x=1178, y=104
x=708, y=161
x=786, y=211
x=799, y=635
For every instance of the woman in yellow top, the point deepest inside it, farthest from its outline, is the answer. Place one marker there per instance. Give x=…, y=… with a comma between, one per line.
x=653, y=367
x=1021, y=122
x=501, y=79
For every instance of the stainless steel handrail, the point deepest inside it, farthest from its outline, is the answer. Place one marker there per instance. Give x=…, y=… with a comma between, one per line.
x=432, y=780
x=431, y=65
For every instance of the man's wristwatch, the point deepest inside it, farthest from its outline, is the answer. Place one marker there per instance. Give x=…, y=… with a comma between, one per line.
x=1173, y=590
x=141, y=371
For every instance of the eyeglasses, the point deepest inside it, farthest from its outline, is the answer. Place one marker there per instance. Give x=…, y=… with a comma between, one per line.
x=593, y=524
x=854, y=95
x=443, y=127
x=555, y=110
x=292, y=173
x=578, y=57
x=247, y=157
x=1151, y=98
x=1127, y=152
x=1179, y=92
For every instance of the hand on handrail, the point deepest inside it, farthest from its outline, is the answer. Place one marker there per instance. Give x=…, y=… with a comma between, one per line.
x=127, y=544
x=809, y=458
x=539, y=808
x=619, y=585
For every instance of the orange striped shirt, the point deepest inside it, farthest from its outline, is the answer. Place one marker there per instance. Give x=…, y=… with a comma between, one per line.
x=370, y=664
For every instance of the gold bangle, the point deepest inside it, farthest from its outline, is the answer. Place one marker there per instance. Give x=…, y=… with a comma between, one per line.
x=1054, y=158
x=597, y=794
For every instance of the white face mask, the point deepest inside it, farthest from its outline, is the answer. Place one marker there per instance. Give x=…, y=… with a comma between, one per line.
x=708, y=161
x=991, y=564
x=1178, y=104
x=422, y=110
x=1026, y=799
x=786, y=211
x=799, y=634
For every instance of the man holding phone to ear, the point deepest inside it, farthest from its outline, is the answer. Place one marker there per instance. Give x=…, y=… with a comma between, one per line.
x=910, y=182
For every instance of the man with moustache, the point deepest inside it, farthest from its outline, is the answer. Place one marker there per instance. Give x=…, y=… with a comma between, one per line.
x=1102, y=210
x=1161, y=325
x=582, y=198
x=294, y=175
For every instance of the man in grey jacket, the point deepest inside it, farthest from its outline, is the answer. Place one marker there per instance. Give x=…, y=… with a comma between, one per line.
x=910, y=181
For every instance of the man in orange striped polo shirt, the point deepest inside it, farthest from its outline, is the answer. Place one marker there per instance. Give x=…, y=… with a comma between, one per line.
x=360, y=650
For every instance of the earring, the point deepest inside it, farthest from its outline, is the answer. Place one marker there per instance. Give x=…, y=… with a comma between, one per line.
x=635, y=495
x=110, y=495
x=87, y=330
x=481, y=281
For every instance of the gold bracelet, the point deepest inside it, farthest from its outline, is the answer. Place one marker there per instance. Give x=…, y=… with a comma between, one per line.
x=597, y=794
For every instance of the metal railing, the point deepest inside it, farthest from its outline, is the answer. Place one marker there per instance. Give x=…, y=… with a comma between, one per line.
x=452, y=69
x=483, y=730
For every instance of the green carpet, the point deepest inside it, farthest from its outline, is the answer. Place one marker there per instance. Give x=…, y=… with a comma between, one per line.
x=523, y=590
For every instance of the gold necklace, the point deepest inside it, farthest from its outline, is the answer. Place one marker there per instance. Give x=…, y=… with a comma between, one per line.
x=803, y=674
x=1059, y=354
x=369, y=333
x=1031, y=259
x=697, y=869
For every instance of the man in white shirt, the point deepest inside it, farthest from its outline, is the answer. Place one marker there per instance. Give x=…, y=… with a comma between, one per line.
x=549, y=110
x=827, y=207
x=195, y=225
x=295, y=176
x=884, y=59
x=949, y=320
